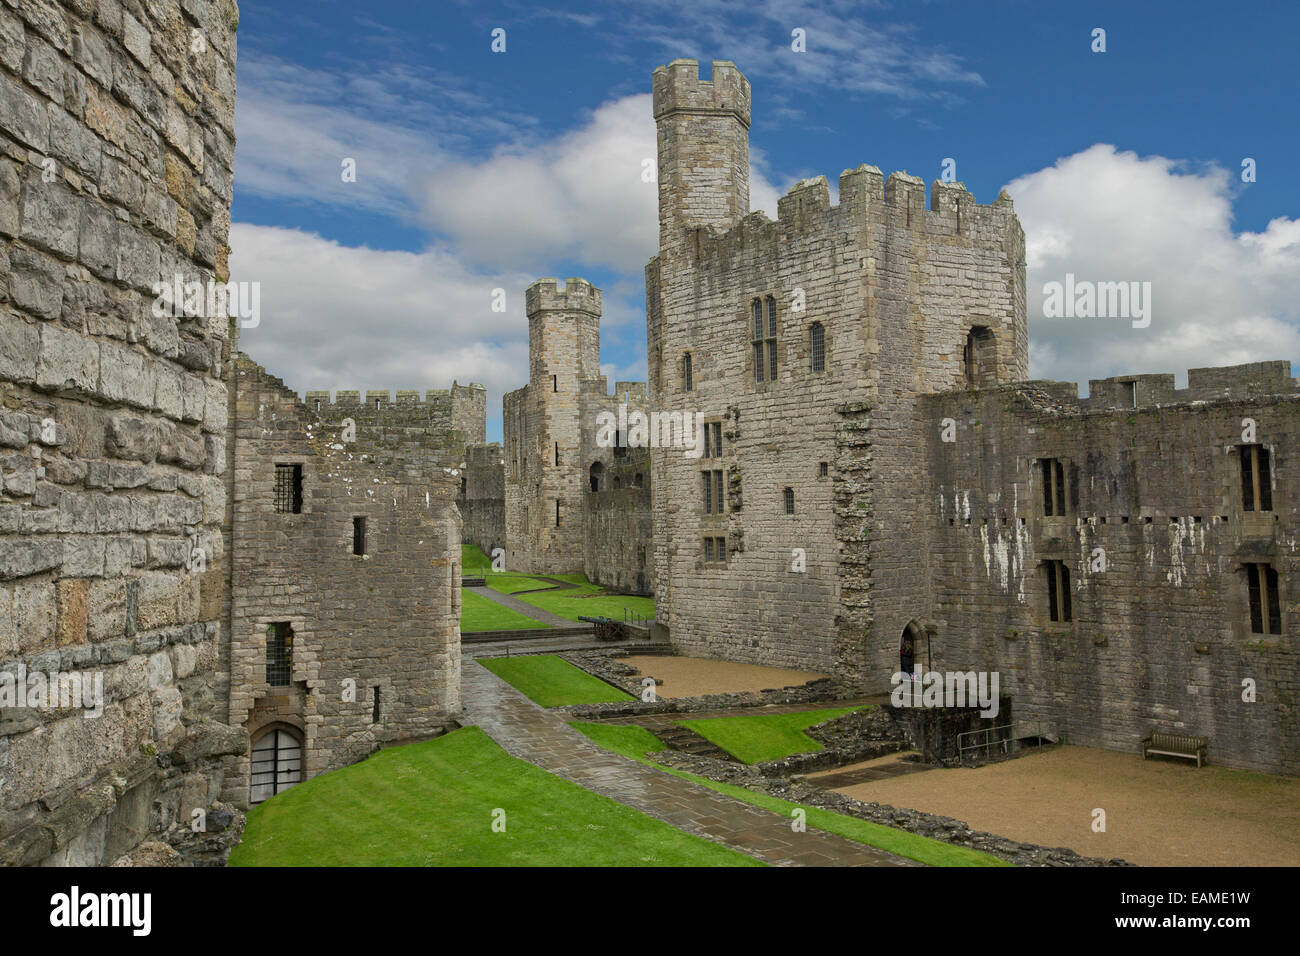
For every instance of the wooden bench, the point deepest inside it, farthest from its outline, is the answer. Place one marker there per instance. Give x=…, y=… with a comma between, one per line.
x=1176, y=745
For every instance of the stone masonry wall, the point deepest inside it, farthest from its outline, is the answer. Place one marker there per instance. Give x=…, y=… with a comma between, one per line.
x=388, y=621
x=1160, y=636
x=116, y=151
x=482, y=498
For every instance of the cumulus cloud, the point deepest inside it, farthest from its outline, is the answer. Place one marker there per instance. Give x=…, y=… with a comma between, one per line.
x=1219, y=297
x=579, y=197
x=340, y=317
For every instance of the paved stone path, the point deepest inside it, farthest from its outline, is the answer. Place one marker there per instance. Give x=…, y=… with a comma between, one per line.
x=530, y=733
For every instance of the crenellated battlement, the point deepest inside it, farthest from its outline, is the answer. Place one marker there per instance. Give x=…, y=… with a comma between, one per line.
x=1231, y=383
x=679, y=89
x=577, y=295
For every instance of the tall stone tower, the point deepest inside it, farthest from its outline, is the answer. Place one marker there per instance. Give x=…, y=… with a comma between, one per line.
x=703, y=159
x=544, y=471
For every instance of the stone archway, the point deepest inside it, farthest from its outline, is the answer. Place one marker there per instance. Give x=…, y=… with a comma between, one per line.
x=913, y=646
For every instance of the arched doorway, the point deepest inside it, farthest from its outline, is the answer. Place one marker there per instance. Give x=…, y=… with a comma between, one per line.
x=914, y=648
x=277, y=763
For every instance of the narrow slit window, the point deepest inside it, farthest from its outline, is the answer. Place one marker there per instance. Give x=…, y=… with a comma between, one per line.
x=1058, y=591
x=688, y=382
x=788, y=496
x=359, y=535
x=557, y=512
x=717, y=492
x=817, y=345
x=1053, y=471
x=374, y=715
x=1256, y=478
x=555, y=383
x=707, y=477
x=557, y=452
x=288, y=489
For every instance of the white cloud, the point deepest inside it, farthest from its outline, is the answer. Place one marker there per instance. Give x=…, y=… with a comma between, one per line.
x=580, y=197
x=339, y=317
x=1219, y=297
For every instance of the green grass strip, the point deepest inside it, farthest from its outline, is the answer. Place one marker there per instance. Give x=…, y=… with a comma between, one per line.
x=552, y=681
x=433, y=804
x=478, y=613
x=764, y=736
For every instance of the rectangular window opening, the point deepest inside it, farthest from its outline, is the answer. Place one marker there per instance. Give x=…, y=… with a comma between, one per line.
x=288, y=489
x=359, y=535
x=1058, y=591
x=279, y=654
x=1256, y=478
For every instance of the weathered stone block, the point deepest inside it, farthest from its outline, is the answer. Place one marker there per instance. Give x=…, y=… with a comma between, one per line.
x=68, y=361
x=20, y=344
x=73, y=596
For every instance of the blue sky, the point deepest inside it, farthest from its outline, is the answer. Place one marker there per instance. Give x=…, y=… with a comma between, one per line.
x=479, y=170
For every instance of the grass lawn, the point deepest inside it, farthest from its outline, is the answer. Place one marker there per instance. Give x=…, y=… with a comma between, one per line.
x=552, y=681
x=636, y=742
x=764, y=736
x=477, y=613
x=473, y=562
x=432, y=803
x=588, y=600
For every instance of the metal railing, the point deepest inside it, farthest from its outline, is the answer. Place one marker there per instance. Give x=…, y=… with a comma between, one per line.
x=636, y=617
x=990, y=745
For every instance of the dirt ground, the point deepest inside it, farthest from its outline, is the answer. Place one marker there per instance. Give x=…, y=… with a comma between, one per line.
x=1159, y=812
x=693, y=676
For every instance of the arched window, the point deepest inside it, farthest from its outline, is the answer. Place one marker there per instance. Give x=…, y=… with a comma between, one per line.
x=688, y=383
x=277, y=764
x=638, y=481
x=817, y=345
x=597, y=469
x=618, y=482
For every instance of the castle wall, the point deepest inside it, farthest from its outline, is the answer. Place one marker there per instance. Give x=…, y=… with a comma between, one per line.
x=1160, y=636
x=482, y=498
x=618, y=530
x=116, y=152
x=387, y=620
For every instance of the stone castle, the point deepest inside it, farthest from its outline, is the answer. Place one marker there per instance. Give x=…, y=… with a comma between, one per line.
x=885, y=469
x=211, y=588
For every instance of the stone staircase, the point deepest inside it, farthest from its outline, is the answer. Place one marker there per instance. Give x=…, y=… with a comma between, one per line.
x=685, y=740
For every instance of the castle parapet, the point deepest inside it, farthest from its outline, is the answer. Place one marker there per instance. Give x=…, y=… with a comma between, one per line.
x=679, y=89
x=577, y=295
